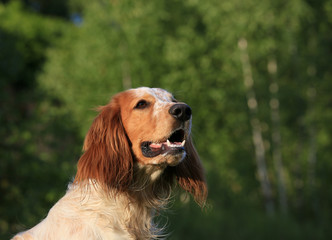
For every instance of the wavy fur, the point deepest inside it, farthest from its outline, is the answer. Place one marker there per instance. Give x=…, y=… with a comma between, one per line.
x=117, y=189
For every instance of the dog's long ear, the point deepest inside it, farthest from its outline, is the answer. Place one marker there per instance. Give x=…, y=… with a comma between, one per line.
x=190, y=174
x=107, y=157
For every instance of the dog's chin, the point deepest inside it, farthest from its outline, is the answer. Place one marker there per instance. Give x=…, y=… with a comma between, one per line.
x=164, y=160
x=169, y=159
x=154, y=167
x=176, y=160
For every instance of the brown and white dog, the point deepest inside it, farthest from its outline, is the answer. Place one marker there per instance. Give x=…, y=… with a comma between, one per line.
x=137, y=148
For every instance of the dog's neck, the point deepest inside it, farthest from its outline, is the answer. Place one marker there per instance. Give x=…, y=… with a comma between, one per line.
x=131, y=211
x=152, y=185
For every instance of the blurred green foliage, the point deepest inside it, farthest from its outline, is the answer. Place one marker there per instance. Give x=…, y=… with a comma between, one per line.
x=59, y=60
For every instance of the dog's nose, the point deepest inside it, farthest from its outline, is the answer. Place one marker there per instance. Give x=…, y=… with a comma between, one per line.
x=180, y=111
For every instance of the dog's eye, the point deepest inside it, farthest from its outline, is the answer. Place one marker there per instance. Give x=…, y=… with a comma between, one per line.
x=141, y=104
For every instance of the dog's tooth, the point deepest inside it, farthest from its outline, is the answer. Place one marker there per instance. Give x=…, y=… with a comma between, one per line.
x=168, y=143
x=182, y=144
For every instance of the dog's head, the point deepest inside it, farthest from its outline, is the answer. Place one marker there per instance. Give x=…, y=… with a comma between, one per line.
x=146, y=127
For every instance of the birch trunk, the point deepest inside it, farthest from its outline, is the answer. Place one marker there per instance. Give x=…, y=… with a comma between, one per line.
x=276, y=136
x=312, y=154
x=256, y=128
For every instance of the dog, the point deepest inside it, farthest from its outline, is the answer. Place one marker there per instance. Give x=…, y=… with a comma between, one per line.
x=136, y=151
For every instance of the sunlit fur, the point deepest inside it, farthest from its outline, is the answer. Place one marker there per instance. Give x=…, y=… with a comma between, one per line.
x=117, y=190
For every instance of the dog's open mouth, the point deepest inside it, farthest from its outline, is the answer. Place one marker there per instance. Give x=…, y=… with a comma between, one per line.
x=173, y=145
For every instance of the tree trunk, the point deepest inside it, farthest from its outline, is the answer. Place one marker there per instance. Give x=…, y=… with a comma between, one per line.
x=312, y=155
x=256, y=128
x=276, y=136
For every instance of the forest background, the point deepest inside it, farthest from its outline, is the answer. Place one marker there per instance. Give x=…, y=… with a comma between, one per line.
x=257, y=75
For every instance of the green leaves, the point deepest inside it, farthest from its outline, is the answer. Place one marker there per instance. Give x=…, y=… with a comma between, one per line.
x=53, y=73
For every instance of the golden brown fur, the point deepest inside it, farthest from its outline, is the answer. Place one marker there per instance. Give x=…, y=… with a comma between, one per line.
x=119, y=184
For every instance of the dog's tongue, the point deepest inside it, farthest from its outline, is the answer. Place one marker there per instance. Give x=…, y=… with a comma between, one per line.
x=167, y=144
x=156, y=145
